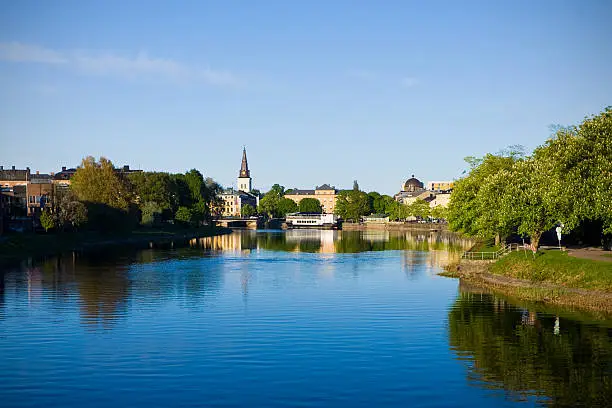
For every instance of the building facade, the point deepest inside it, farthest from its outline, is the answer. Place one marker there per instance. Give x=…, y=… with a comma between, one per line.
x=440, y=185
x=14, y=177
x=325, y=194
x=412, y=190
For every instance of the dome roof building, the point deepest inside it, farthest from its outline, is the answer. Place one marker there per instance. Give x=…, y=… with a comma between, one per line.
x=412, y=185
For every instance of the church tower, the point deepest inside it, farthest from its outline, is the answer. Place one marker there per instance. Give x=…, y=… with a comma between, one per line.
x=244, y=177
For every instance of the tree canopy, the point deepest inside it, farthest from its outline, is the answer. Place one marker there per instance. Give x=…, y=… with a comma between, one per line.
x=270, y=203
x=352, y=205
x=567, y=180
x=310, y=205
x=98, y=182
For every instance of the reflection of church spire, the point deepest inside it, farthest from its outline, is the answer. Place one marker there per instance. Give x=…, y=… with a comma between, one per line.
x=244, y=167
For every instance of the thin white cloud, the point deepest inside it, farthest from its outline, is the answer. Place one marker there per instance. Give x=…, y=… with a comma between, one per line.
x=363, y=74
x=408, y=82
x=18, y=52
x=112, y=64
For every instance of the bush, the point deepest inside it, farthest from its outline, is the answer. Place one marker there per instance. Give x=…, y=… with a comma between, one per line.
x=47, y=220
x=150, y=214
x=183, y=215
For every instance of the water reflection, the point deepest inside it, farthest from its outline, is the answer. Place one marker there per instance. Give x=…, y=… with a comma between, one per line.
x=442, y=248
x=526, y=352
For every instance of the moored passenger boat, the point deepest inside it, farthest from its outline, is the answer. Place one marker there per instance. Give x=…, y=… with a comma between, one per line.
x=311, y=220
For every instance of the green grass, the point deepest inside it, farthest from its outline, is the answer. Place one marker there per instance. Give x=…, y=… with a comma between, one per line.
x=485, y=246
x=20, y=246
x=556, y=267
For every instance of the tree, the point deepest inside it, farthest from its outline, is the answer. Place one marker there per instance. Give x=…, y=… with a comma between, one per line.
x=72, y=212
x=151, y=213
x=463, y=212
x=269, y=204
x=47, y=220
x=438, y=212
x=374, y=202
x=155, y=187
x=286, y=206
x=352, y=205
x=183, y=215
x=419, y=208
x=577, y=165
x=278, y=190
x=98, y=182
x=524, y=201
x=195, y=182
x=248, y=211
x=310, y=205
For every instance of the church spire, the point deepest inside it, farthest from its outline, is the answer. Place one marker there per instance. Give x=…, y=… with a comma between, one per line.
x=244, y=167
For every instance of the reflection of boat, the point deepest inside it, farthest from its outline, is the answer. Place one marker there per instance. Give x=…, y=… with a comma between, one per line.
x=311, y=220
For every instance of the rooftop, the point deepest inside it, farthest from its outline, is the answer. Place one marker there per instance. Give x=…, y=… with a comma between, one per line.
x=13, y=174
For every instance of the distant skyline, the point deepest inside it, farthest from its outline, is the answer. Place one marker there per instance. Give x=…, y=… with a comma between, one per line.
x=318, y=92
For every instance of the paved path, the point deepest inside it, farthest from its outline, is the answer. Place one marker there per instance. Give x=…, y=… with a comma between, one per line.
x=595, y=254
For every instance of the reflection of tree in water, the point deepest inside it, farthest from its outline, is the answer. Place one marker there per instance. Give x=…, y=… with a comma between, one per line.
x=335, y=241
x=525, y=354
x=2, y=290
x=103, y=291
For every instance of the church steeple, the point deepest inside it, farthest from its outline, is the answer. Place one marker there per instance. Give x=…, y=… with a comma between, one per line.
x=244, y=176
x=244, y=167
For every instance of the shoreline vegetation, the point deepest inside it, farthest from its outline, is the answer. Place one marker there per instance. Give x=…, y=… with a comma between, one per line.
x=552, y=277
x=559, y=194
x=19, y=247
x=394, y=226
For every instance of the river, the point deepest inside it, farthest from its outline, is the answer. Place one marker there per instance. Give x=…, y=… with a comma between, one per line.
x=298, y=318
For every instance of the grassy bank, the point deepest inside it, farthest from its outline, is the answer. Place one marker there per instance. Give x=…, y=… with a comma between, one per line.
x=556, y=267
x=552, y=278
x=20, y=246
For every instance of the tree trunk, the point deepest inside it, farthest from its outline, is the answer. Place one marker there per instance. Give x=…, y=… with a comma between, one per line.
x=535, y=239
x=497, y=239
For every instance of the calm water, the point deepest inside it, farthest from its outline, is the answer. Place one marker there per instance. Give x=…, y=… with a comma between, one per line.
x=303, y=318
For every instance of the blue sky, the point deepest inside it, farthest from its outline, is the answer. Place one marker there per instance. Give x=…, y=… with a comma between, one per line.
x=319, y=91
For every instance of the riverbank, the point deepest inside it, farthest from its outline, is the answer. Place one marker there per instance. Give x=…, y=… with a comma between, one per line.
x=551, y=277
x=394, y=226
x=14, y=248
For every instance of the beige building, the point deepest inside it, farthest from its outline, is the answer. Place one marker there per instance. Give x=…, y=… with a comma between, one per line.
x=325, y=194
x=440, y=185
x=440, y=199
x=413, y=190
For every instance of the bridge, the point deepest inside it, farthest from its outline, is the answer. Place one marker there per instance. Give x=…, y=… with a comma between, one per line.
x=237, y=222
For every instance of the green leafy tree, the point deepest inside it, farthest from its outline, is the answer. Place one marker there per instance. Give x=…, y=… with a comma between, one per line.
x=151, y=213
x=419, y=208
x=438, y=212
x=248, y=211
x=286, y=206
x=47, y=220
x=524, y=201
x=184, y=215
x=463, y=211
x=278, y=190
x=576, y=165
x=98, y=182
x=352, y=205
x=310, y=205
x=269, y=204
x=373, y=202
x=156, y=187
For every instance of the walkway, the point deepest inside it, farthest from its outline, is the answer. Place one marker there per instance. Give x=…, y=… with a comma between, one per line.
x=594, y=254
